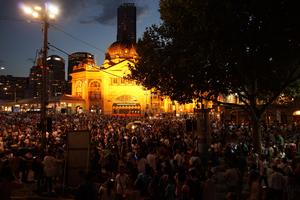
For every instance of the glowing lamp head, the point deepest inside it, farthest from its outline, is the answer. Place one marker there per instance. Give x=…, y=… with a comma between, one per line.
x=26, y=9
x=35, y=14
x=37, y=8
x=52, y=9
x=51, y=16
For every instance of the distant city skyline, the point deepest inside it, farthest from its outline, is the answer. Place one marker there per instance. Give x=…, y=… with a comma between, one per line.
x=83, y=26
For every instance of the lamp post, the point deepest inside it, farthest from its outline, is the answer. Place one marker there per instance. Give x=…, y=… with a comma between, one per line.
x=2, y=68
x=45, y=13
x=15, y=92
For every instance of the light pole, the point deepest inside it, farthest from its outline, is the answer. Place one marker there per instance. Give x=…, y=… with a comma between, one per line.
x=2, y=68
x=45, y=13
x=15, y=92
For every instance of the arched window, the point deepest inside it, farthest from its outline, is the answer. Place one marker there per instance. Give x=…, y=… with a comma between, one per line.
x=94, y=90
x=78, y=89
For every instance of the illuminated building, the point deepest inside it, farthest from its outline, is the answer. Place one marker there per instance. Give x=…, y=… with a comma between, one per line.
x=73, y=60
x=13, y=88
x=35, y=81
x=105, y=89
x=55, y=77
x=57, y=82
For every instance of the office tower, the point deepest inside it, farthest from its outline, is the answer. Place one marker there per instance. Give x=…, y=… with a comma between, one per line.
x=127, y=23
x=57, y=82
x=13, y=88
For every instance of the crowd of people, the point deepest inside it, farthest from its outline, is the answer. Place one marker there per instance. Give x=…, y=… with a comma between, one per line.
x=151, y=158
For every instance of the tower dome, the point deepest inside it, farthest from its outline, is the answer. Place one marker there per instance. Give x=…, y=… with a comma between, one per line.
x=121, y=50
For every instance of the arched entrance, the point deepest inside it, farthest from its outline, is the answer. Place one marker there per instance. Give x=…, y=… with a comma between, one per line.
x=78, y=89
x=296, y=116
x=126, y=105
x=94, y=96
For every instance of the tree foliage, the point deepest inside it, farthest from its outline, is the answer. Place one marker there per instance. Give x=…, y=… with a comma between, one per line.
x=211, y=47
x=244, y=47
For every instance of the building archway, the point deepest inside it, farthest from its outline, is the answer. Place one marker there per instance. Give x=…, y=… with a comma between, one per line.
x=296, y=116
x=94, y=95
x=78, y=89
x=126, y=105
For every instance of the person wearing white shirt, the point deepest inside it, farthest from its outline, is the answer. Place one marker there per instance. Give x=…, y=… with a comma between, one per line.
x=151, y=160
x=122, y=181
x=277, y=184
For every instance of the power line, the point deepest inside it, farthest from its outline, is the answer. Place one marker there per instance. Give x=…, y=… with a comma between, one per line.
x=103, y=70
x=110, y=73
x=63, y=51
x=5, y=18
x=76, y=38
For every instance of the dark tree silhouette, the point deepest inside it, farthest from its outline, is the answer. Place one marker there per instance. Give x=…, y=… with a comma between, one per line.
x=204, y=48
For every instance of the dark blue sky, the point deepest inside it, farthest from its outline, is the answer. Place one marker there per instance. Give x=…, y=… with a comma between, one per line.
x=92, y=21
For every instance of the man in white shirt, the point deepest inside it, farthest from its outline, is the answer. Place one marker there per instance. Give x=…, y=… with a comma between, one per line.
x=151, y=160
x=122, y=181
x=277, y=184
x=50, y=169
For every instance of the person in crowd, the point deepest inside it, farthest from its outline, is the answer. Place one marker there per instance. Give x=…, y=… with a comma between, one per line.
x=255, y=186
x=106, y=190
x=277, y=184
x=170, y=191
x=143, y=180
x=165, y=145
x=263, y=167
x=8, y=182
x=51, y=170
x=87, y=189
x=122, y=184
x=209, y=188
x=152, y=159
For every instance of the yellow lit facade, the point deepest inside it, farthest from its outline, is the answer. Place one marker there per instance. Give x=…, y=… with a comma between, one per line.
x=105, y=89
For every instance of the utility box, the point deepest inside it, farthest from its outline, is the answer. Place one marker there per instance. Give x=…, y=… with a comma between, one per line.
x=78, y=156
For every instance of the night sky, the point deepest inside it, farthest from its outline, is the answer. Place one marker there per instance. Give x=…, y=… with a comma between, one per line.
x=88, y=21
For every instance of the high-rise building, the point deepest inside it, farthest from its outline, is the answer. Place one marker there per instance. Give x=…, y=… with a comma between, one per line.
x=76, y=59
x=127, y=23
x=57, y=82
x=13, y=88
x=35, y=81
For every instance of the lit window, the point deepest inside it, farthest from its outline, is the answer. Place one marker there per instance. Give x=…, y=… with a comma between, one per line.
x=115, y=80
x=296, y=113
x=123, y=81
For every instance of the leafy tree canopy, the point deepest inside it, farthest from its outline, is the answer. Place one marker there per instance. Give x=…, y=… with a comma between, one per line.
x=204, y=48
x=208, y=47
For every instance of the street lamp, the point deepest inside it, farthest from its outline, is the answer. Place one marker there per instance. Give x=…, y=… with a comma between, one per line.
x=2, y=69
x=15, y=92
x=44, y=13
